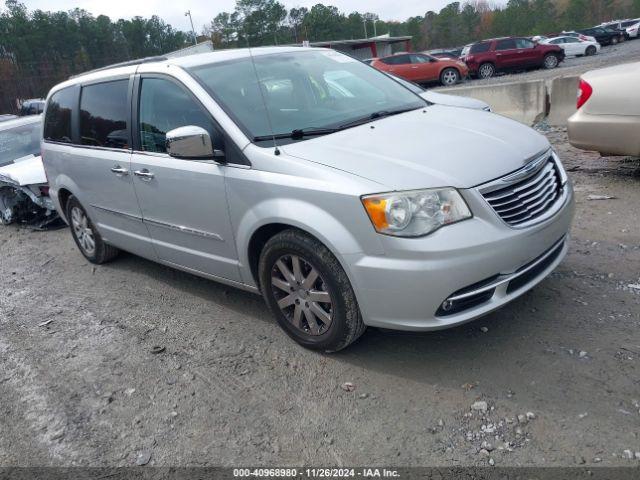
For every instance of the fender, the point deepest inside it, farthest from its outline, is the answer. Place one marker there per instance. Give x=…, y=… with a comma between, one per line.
x=333, y=234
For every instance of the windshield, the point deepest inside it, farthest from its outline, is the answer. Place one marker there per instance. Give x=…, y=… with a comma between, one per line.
x=19, y=141
x=301, y=90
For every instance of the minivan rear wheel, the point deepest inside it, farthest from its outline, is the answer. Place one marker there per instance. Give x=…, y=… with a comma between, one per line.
x=86, y=235
x=308, y=292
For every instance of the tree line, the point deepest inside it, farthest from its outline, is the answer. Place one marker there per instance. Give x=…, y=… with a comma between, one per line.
x=268, y=22
x=39, y=49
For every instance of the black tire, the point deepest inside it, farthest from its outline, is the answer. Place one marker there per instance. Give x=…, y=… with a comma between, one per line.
x=614, y=41
x=486, y=70
x=449, y=76
x=346, y=324
x=101, y=252
x=591, y=50
x=550, y=61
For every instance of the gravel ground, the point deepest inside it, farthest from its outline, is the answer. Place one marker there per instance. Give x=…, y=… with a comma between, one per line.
x=552, y=379
x=625, y=52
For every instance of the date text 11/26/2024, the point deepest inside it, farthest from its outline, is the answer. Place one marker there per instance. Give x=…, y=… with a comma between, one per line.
x=316, y=472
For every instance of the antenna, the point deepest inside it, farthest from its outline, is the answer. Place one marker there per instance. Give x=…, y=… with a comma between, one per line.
x=264, y=101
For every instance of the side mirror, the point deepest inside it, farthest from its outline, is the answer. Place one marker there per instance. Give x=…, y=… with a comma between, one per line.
x=190, y=143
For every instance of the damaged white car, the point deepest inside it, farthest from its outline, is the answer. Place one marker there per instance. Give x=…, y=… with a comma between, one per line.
x=24, y=192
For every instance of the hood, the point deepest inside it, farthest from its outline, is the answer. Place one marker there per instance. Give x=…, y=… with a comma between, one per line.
x=433, y=147
x=24, y=171
x=453, y=100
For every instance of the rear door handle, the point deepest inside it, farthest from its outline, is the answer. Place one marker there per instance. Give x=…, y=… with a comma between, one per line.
x=118, y=170
x=144, y=174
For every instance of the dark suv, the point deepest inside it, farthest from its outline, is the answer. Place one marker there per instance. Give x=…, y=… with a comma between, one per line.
x=605, y=35
x=487, y=57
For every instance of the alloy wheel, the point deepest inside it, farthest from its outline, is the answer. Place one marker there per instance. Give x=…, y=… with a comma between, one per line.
x=551, y=61
x=486, y=71
x=450, y=77
x=83, y=231
x=301, y=294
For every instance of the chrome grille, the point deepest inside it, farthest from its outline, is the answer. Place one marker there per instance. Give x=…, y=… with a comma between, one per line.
x=526, y=199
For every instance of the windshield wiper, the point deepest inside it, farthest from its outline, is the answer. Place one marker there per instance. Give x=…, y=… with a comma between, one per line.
x=297, y=134
x=375, y=116
x=300, y=133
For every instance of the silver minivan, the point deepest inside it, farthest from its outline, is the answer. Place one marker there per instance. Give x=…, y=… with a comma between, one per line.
x=341, y=196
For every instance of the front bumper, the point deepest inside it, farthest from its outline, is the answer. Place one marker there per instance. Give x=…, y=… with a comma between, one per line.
x=406, y=289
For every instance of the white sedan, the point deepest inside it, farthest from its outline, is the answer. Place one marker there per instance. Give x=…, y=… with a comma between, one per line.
x=573, y=46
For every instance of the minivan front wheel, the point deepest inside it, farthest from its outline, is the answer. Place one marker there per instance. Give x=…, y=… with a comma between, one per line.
x=308, y=292
x=86, y=235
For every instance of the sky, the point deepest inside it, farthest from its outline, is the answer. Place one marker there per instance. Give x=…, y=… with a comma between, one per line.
x=203, y=11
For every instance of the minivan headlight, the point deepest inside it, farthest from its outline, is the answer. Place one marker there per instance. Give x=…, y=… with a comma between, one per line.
x=415, y=213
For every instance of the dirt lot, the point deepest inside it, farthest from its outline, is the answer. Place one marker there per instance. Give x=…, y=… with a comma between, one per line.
x=231, y=389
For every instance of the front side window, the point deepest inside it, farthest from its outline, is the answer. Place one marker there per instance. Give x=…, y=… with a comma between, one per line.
x=315, y=89
x=19, y=141
x=103, y=115
x=571, y=40
x=419, y=59
x=524, y=43
x=163, y=106
x=57, y=124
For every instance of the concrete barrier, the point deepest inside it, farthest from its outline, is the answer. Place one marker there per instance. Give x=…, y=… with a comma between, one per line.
x=562, y=100
x=522, y=101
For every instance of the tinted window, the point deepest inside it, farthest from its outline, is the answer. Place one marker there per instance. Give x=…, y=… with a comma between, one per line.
x=506, y=44
x=19, y=141
x=419, y=59
x=57, y=124
x=480, y=47
x=571, y=40
x=557, y=41
x=524, y=43
x=165, y=106
x=397, y=60
x=103, y=115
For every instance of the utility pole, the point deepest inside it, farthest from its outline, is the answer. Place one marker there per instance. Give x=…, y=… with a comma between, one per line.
x=364, y=21
x=193, y=30
x=375, y=30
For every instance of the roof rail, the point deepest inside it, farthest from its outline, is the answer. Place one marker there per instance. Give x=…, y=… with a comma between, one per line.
x=128, y=63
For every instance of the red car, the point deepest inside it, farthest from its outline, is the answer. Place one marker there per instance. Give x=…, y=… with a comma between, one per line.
x=486, y=58
x=422, y=68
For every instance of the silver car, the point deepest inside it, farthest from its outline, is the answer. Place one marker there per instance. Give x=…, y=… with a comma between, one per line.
x=341, y=196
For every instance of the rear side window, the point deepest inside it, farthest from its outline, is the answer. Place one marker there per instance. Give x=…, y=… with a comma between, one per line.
x=57, y=124
x=506, y=44
x=103, y=114
x=165, y=106
x=397, y=60
x=480, y=48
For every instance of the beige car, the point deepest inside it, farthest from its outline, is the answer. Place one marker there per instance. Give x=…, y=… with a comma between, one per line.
x=608, y=116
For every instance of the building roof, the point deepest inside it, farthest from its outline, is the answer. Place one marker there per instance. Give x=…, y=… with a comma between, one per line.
x=361, y=41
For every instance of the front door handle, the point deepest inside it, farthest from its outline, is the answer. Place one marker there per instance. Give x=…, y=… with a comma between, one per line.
x=118, y=170
x=144, y=174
